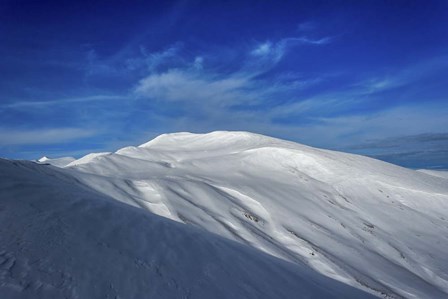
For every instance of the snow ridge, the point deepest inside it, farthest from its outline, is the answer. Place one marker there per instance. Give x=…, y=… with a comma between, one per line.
x=58, y=162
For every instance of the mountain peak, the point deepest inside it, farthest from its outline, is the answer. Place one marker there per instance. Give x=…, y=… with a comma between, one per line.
x=216, y=138
x=43, y=159
x=349, y=217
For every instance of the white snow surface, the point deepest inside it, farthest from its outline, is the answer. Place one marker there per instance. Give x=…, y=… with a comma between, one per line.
x=59, y=162
x=86, y=159
x=438, y=173
x=371, y=225
x=59, y=239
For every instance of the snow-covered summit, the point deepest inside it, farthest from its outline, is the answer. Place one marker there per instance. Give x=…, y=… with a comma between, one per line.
x=220, y=141
x=367, y=223
x=220, y=137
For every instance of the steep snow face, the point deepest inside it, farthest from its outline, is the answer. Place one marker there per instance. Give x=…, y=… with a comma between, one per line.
x=58, y=239
x=58, y=162
x=367, y=223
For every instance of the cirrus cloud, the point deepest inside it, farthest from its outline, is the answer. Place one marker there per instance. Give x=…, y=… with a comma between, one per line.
x=14, y=136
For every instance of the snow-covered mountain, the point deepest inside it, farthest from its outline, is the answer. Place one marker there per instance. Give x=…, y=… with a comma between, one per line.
x=368, y=224
x=59, y=239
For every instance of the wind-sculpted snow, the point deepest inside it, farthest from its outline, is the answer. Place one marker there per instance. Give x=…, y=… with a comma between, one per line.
x=59, y=239
x=369, y=224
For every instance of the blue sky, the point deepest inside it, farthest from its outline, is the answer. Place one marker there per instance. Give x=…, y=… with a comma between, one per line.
x=368, y=77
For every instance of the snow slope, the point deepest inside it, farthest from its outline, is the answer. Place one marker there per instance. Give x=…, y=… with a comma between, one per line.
x=86, y=159
x=59, y=162
x=438, y=173
x=60, y=239
x=366, y=223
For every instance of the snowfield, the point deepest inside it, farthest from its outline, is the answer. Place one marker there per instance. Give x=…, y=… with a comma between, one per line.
x=242, y=216
x=61, y=240
x=439, y=173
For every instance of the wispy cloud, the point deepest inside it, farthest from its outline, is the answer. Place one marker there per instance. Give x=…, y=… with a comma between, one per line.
x=400, y=141
x=407, y=75
x=420, y=150
x=10, y=137
x=277, y=50
x=37, y=104
x=262, y=49
x=152, y=61
x=417, y=159
x=350, y=130
x=306, y=26
x=198, y=63
x=131, y=61
x=196, y=88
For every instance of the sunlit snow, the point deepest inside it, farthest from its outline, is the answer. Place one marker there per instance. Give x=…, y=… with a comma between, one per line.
x=299, y=213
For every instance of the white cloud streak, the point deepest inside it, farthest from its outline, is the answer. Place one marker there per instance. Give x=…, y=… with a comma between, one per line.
x=342, y=131
x=10, y=137
x=37, y=104
x=194, y=88
x=276, y=51
x=306, y=26
x=152, y=61
x=404, y=77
